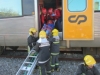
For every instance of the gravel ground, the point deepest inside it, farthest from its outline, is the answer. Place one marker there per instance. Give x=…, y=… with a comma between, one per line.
x=15, y=53
x=9, y=66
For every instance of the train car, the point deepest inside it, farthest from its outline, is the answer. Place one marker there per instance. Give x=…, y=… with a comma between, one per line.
x=16, y=17
x=80, y=22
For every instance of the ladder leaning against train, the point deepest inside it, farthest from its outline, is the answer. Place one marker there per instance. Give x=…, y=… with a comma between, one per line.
x=29, y=64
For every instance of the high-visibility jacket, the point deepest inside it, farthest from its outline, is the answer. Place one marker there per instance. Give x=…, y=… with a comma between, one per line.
x=42, y=46
x=31, y=40
x=54, y=44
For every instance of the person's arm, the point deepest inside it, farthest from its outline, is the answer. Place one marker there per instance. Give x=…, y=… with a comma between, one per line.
x=36, y=38
x=29, y=41
x=36, y=47
x=34, y=41
x=79, y=70
x=96, y=72
x=50, y=41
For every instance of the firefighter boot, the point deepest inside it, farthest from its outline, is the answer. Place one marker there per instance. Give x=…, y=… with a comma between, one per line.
x=57, y=68
x=52, y=70
x=48, y=73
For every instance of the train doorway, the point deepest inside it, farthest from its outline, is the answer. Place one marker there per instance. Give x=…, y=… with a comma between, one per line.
x=47, y=11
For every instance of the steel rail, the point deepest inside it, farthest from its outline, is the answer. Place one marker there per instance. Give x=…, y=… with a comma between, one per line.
x=61, y=58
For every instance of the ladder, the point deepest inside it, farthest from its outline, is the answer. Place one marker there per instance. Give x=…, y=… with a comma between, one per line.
x=29, y=64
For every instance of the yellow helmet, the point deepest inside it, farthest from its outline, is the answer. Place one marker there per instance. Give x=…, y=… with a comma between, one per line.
x=89, y=60
x=55, y=32
x=42, y=34
x=32, y=30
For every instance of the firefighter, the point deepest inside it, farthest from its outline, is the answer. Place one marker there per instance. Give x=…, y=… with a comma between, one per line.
x=88, y=67
x=42, y=47
x=54, y=49
x=31, y=39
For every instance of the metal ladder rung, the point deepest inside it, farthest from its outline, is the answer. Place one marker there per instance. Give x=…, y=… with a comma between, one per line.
x=26, y=68
x=33, y=56
x=28, y=62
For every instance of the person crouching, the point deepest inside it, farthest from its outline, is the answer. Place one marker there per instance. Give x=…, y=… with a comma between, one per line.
x=88, y=67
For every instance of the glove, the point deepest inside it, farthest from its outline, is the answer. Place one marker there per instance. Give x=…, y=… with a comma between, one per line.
x=33, y=49
x=32, y=53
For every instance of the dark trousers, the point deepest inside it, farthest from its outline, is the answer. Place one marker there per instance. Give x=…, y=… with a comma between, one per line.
x=54, y=61
x=45, y=68
x=58, y=24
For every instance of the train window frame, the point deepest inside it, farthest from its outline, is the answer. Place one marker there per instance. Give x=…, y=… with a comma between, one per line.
x=24, y=14
x=94, y=7
x=77, y=11
x=16, y=16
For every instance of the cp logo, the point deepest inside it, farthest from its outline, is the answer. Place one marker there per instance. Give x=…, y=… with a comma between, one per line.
x=78, y=17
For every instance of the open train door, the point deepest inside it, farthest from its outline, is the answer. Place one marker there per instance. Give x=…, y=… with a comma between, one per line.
x=78, y=20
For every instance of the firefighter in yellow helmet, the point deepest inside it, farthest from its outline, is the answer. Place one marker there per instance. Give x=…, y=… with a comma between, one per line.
x=42, y=47
x=54, y=49
x=31, y=38
x=88, y=67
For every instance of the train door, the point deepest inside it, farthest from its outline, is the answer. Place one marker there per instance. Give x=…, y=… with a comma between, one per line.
x=78, y=20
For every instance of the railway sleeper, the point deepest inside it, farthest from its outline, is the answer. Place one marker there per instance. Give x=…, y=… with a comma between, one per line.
x=81, y=50
x=91, y=50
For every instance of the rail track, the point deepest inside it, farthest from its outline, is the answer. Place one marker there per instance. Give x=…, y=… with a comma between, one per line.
x=60, y=58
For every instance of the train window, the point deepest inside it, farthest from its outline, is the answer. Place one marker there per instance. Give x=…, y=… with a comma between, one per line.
x=28, y=7
x=10, y=8
x=97, y=5
x=77, y=5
